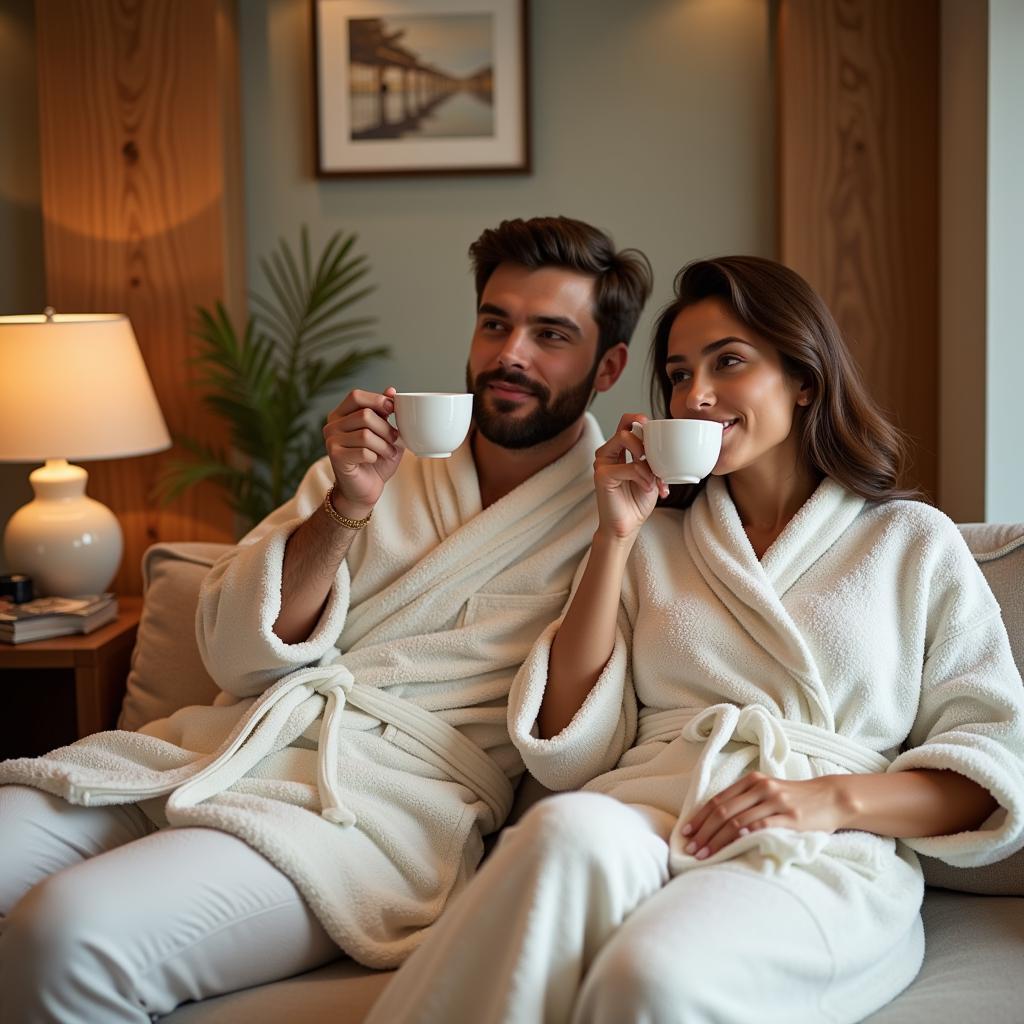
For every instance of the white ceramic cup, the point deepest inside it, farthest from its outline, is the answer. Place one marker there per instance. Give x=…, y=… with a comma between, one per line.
x=680, y=451
x=432, y=424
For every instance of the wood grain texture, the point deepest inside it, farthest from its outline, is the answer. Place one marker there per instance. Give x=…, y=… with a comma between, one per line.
x=142, y=192
x=55, y=691
x=858, y=178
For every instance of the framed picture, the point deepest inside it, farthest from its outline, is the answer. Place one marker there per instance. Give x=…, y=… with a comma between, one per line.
x=421, y=86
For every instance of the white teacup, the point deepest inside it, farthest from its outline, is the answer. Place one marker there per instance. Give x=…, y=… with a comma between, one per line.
x=680, y=451
x=433, y=424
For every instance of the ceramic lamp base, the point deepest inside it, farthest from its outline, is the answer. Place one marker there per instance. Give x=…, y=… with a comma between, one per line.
x=68, y=543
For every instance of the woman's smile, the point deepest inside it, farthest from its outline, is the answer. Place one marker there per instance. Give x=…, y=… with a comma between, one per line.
x=716, y=366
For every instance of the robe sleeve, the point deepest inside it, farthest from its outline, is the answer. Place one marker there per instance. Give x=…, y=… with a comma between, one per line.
x=603, y=728
x=971, y=713
x=240, y=600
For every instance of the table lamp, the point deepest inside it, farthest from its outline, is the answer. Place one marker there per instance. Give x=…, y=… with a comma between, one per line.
x=72, y=386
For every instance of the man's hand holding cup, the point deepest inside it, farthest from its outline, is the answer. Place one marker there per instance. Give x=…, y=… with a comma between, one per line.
x=364, y=449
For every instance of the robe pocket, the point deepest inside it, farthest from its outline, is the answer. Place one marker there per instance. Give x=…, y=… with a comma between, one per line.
x=512, y=621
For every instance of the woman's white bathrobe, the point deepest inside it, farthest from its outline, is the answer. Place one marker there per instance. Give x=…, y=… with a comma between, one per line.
x=366, y=762
x=865, y=640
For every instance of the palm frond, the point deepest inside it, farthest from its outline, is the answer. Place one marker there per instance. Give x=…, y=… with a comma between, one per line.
x=350, y=330
x=319, y=316
x=296, y=348
x=322, y=378
x=287, y=303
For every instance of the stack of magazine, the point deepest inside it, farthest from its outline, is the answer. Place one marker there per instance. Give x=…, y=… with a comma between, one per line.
x=47, y=617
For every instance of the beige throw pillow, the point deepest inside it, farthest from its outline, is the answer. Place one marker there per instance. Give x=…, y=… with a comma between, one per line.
x=166, y=671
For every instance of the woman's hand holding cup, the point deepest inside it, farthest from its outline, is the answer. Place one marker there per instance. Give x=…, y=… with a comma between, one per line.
x=364, y=450
x=626, y=491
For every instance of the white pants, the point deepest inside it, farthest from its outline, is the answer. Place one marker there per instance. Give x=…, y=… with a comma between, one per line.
x=104, y=918
x=574, y=917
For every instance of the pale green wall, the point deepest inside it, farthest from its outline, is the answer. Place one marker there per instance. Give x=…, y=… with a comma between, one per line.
x=21, y=225
x=651, y=119
x=1004, y=466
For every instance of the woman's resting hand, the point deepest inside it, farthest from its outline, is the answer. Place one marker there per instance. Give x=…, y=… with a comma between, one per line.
x=905, y=804
x=758, y=801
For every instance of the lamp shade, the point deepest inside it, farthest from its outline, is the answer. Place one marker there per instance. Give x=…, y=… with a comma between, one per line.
x=74, y=386
x=71, y=386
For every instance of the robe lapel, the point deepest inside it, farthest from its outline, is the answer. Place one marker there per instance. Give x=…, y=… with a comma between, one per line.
x=752, y=590
x=822, y=520
x=489, y=538
x=452, y=488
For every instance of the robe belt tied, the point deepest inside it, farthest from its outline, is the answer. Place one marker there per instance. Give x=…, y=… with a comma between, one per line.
x=775, y=738
x=442, y=744
x=336, y=689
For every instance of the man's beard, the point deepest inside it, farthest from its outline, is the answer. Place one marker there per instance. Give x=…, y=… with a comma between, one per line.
x=548, y=420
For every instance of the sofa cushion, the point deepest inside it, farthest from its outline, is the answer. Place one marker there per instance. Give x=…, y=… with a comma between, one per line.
x=342, y=992
x=166, y=670
x=971, y=967
x=971, y=972
x=999, y=551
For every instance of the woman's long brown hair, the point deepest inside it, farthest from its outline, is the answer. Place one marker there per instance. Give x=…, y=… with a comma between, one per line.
x=843, y=432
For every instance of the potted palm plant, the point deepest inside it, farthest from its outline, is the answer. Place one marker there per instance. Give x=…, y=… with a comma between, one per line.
x=266, y=381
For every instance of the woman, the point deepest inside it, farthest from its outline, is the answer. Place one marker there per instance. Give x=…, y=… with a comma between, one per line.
x=760, y=690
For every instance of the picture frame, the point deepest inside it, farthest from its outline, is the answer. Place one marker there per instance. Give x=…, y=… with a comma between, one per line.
x=420, y=87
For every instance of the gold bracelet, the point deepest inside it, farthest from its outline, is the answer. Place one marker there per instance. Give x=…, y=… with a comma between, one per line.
x=352, y=524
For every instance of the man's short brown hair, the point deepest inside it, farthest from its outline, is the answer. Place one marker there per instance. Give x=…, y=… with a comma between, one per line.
x=622, y=280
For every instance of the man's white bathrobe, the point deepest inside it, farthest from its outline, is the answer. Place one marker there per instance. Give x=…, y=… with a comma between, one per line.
x=865, y=640
x=368, y=761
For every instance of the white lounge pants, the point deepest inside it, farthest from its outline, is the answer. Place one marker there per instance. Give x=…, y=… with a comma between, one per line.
x=105, y=918
x=574, y=918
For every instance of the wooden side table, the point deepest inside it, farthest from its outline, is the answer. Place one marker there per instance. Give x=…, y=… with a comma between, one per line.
x=37, y=679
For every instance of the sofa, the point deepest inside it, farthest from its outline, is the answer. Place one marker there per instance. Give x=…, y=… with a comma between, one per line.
x=974, y=919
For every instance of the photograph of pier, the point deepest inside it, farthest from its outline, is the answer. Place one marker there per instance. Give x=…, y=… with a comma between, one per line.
x=421, y=77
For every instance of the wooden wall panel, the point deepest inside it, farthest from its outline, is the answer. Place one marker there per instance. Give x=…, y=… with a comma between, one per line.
x=858, y=178
x=141, y=194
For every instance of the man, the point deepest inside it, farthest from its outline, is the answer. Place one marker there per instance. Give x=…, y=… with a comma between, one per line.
x=367, y=633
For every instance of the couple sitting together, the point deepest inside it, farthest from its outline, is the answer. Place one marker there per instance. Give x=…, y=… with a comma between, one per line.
x=767, y=691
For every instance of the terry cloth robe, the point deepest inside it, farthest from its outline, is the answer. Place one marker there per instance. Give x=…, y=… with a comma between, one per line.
x=368, y=761
x=865, y=640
